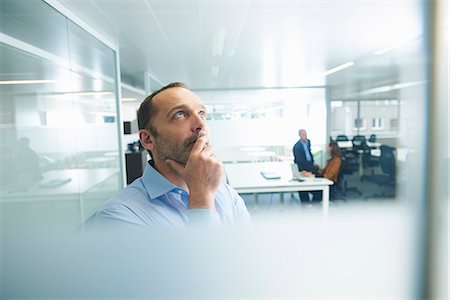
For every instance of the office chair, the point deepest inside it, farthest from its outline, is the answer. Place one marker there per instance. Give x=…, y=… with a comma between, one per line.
x=358, y=142
x=387, y=163
x=336, y=190
x=341, y=138
x=372, y=138
x=350, y=165
x=369, y=160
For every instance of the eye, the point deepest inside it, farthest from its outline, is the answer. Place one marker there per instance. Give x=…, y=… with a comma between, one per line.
x=202, y=113
x=179, y=115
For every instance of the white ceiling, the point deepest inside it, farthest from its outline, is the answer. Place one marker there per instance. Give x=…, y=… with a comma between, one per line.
x=245, y=44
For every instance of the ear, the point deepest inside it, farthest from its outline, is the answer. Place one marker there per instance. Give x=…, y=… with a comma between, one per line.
x=146, y=139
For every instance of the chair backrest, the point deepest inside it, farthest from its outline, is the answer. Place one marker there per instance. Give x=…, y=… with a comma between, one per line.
x=350, y=164
x=341, y=138
x=358, y=142
x=341, y=169
x=368, y=159
x=337, y=186
x=387, y=160
x=373, y=138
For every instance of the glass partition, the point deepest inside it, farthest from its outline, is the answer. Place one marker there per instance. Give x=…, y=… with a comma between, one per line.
x=263, y=124
x=58, y=121
x=389, y=109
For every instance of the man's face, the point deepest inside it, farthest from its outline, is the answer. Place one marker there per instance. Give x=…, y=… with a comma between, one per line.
x=179, y=121
x=303, y=135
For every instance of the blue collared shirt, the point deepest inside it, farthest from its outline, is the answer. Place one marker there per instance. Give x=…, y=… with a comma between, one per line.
x=152, y=201
x=305, y=147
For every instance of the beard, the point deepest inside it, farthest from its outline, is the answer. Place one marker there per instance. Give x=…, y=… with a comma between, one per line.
x=176, y=151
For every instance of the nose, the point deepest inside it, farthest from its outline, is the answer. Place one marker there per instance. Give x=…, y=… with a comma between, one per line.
x=198, y=124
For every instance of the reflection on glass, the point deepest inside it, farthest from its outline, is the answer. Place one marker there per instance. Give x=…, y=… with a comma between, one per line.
x=59, y=150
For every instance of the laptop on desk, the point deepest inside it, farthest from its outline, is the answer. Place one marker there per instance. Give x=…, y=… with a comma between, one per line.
x=296, y=173
x=270, y=175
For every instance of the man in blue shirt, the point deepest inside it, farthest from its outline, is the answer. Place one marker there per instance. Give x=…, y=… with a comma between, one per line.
x=304, y=158
x=182, y=184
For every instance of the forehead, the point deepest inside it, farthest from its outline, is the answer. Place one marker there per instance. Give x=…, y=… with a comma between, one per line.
x=174, y=97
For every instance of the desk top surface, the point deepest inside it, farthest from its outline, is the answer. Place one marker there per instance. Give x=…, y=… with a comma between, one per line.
x=349, y=144
x=63, y=182
x=248, y=175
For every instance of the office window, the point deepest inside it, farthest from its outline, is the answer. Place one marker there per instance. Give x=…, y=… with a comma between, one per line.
x=377, y=124
x=359, y=124
x=378, y=111
x=393, y=123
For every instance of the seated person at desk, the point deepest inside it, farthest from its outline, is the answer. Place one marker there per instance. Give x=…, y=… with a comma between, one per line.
x=182, y=184
x=304, y=158
x=331, y=170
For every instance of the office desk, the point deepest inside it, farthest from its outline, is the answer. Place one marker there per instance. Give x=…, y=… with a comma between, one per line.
x=246, y=178
x=74, y=185
x=349, y=145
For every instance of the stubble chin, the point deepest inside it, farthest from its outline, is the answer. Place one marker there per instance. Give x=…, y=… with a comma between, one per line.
x=179, y=154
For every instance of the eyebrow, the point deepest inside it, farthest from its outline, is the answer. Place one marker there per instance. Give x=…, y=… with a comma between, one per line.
x=183, y=107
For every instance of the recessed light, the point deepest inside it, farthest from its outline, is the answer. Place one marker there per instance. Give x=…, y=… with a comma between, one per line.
x=27, y=81
x=339, y=68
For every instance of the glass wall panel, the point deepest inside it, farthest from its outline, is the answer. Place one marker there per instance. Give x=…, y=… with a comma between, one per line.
x=91, y=57
x=58, y=122
x=262, y=125
x=390, y=105
x=36, y=24
x=344, y=118
x=381, y=118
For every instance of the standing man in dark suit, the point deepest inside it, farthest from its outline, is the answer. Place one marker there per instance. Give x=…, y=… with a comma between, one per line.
x=304, y=158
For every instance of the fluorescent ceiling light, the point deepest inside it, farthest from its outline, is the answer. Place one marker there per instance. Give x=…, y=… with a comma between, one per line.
x=385, y=50
x=394, y=46
x=129, y=99
x=388, y=88
x=88, y=94
x=102, y=113
x=27, y=81
x=339, y=68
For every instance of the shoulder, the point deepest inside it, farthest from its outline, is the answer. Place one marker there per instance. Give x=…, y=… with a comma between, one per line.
x=230, y=206
x=135, y=192
x=226, y=193
x=336, y=160
x=126, y=206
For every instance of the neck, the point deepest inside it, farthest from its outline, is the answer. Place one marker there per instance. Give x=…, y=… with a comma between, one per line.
x=170, y=174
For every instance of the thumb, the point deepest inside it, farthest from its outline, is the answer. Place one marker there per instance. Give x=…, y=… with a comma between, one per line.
x=179, y=168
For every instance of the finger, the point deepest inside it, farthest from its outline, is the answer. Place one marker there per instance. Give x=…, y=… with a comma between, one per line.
x=208, y=150
x=175, y=165
x=199, y=144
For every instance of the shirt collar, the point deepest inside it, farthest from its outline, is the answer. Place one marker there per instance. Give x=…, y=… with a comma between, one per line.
x=155, y=184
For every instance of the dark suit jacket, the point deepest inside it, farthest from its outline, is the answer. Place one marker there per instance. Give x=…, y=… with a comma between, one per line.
x=300, y=157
